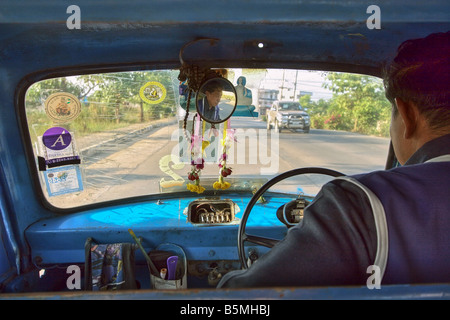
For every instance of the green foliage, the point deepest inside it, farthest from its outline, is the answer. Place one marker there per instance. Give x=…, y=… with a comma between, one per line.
x=358, y=104
x=109, y=101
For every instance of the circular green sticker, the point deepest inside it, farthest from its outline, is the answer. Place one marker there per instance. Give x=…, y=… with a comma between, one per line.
x=153, y=92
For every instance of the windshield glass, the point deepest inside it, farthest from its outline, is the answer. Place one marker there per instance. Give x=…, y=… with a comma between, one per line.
x=110, y=136
x=294, y=106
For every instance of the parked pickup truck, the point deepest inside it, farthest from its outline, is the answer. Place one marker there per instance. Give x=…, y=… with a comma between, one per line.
x=288, y=115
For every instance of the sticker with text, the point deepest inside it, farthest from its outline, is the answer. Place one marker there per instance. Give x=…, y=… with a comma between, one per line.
x=63, y=180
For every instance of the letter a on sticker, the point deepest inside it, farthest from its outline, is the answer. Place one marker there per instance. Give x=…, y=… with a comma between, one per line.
x=59, y=140
x=56, y=138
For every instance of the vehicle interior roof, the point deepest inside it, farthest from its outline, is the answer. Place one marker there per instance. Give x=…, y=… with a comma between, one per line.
x=327, y=35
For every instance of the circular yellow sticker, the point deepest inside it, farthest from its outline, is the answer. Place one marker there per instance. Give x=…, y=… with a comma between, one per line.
x=62, y=107
x=153, y=92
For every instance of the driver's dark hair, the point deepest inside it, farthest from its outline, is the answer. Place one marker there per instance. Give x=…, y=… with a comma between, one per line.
x=212, y=86
x=420, y=73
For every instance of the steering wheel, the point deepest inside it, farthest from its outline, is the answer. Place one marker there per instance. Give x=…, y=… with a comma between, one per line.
x=268, y=242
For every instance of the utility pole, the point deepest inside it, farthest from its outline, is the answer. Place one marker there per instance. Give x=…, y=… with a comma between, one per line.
x=282, y=87
x=295, y=85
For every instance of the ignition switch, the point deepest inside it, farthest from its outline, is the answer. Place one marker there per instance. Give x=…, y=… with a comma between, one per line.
x=214, y=277
x=252, y=257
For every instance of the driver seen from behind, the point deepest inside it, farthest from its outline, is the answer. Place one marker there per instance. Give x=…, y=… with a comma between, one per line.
x=337, y=241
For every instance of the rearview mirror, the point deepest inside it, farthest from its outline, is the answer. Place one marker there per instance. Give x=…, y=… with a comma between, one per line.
x=216, y=100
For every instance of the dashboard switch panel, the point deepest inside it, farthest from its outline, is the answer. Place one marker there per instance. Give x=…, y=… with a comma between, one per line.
x=212, y=212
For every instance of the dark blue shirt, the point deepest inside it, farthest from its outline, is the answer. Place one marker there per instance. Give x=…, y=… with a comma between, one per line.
x=336, y=241
x=208, y=112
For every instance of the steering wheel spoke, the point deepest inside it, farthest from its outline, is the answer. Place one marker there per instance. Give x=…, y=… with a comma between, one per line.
x=262, y=241
x=267, y=242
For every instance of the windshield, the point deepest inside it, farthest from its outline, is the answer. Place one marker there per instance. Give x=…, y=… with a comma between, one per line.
x=100, y=137
x=294, y=106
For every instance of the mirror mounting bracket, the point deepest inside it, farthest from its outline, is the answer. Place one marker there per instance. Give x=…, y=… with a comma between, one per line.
x=201, y=81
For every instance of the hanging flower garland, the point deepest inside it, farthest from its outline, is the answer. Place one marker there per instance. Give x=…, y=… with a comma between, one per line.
x=198, y=146
x=197, y=162
x=224, y=170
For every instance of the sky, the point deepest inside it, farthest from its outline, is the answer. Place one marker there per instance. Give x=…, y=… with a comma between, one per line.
x=301, y=80
x=286, y=81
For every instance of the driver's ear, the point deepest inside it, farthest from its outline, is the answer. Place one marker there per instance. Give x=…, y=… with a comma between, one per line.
x=410, y=116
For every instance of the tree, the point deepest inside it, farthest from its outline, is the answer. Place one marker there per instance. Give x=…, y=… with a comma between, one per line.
x=40, y=91
x=116, y=90
x=359, y=100
x=108, y=100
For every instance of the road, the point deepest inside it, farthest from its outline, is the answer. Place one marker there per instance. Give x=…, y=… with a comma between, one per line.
x=134, y=167
x=348, y=152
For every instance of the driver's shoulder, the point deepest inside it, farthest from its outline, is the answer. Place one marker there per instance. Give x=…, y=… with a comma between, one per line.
x=342, y=197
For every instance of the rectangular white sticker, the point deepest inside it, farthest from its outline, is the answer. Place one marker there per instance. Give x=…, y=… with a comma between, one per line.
x=62, y=180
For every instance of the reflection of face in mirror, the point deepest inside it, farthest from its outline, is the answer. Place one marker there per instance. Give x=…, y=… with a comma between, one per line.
x=209, y=104
x=216, y=100
x=213, y=95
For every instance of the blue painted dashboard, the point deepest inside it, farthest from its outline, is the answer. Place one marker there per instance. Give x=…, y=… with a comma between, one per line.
x=61, y=239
